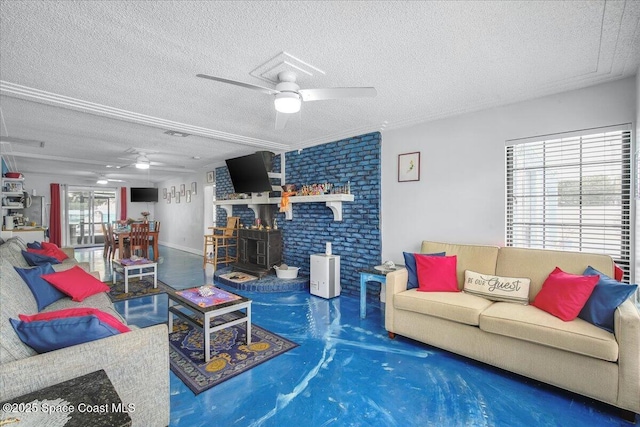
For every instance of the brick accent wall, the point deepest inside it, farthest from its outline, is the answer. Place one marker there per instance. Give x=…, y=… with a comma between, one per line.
x=357, y=237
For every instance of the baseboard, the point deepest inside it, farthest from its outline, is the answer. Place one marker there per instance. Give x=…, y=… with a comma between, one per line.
x=180, y=248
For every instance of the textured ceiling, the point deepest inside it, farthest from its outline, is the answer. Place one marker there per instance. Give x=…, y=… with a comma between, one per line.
x=95, y=79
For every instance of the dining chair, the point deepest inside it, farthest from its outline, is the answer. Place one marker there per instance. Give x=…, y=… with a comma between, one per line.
x=139, y=240
x=221, y=240
x=110, y=239
x=156, y=228
x=107, y=246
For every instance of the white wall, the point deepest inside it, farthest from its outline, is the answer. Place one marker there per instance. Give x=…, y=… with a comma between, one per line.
x=182, y=223
x=41, y=184
x=460, y=195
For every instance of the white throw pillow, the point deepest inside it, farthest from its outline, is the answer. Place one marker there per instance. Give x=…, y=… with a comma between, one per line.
x=496, y=288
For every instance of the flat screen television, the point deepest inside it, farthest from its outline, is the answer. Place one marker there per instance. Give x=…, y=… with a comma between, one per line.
x=249, y=174
x=144, y=194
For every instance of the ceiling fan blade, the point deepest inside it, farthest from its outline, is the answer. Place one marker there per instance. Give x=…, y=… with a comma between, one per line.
x=241, y=84
x=337, y=93
x=281, y=120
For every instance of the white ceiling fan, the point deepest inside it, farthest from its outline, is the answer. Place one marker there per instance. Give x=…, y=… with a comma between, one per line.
x=288, y=96
x=103, y=180
x=138, y=159
x=142, y=160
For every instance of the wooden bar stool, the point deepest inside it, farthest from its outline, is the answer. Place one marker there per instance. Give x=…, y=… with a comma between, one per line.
x=221, y=240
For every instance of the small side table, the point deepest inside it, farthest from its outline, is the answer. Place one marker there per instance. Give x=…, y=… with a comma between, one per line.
x=128, y=266
x=208, y=309
x=371, y=275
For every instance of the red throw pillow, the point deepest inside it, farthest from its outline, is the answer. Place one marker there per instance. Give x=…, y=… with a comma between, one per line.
x=76, y=283
x=564, y=294
x=77, y=312
x=437, y=273
x=54, y=251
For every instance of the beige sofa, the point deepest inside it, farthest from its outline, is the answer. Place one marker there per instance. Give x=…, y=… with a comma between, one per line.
x=575, y=355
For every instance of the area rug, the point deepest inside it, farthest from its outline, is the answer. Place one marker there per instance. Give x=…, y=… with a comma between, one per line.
x=137, y=288
x=230, y=356
x=236, y=277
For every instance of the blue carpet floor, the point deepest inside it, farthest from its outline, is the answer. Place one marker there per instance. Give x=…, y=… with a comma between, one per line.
x=347, y=372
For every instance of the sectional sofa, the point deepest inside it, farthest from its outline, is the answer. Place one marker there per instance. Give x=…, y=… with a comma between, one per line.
x=574, y=355
x=136, y=362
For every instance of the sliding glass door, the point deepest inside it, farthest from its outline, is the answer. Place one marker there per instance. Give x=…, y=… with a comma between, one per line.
x=87, y=209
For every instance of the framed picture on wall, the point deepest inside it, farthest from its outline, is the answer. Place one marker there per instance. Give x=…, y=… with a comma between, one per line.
x=182, y=190
x=211, y=176
x=188, y=196
x=193, y=188
x=409, y=167
x=173, y=191
x=164, y=193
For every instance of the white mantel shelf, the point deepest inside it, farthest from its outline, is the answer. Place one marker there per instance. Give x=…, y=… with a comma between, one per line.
x=332, y=201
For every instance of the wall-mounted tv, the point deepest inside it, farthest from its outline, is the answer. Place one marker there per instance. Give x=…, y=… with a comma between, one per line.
x=143, y=194
x=249, y=174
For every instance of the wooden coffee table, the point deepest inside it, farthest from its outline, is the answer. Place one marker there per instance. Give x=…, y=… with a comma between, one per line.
x=204, y=312
x=146, y=268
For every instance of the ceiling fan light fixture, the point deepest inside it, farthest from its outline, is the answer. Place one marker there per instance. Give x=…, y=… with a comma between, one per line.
x=102, y=181
x=142, y=162
x=287, y=102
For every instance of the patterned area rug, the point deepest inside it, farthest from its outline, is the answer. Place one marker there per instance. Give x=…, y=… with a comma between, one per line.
x=230, y=355
x=137, y=288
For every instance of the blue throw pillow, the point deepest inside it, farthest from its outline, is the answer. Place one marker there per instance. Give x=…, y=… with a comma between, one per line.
x=410, y=265
x=606, y=297
x=37, y=259
x=34, y=245
x=49, y=335
x=42, y=290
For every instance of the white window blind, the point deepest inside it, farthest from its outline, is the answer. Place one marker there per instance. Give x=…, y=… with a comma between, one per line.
x=572, y=192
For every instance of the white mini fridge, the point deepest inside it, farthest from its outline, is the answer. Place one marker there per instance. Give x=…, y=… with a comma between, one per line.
x=325, y=275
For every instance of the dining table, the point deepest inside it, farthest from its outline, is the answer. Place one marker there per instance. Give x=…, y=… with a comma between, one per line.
x=121, y=236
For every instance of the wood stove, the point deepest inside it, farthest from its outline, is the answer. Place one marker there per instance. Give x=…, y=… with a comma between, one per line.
x=258, y=251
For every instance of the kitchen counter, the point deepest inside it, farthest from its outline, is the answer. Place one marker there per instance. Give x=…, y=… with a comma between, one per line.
x=27, y=233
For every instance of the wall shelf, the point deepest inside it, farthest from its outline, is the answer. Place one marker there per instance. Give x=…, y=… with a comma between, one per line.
x=12, y=192
x=332, y=201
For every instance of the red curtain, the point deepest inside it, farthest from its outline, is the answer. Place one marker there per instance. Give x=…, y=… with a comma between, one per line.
x=55, y=218
x=123, y=203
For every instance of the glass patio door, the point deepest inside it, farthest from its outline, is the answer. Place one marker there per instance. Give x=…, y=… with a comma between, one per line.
x=87, y=209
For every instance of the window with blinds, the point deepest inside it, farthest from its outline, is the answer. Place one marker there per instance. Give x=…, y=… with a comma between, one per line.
x=572, y=192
